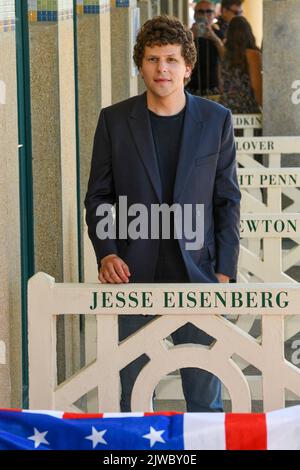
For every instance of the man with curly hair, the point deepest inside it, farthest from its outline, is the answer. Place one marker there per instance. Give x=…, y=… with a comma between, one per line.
x=166, y=146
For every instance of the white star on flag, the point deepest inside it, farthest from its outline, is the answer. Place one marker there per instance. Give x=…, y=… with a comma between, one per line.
x=154, y=436
x=97, y=437
x=38, y=438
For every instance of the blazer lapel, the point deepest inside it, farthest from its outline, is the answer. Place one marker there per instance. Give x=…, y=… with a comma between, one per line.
x=190, y=144
x=140, y=126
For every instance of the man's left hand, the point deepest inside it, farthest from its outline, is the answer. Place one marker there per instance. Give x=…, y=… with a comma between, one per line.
x=222, y=278
x=210, y=34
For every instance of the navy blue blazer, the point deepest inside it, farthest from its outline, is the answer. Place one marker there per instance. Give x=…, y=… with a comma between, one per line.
x=124, y=164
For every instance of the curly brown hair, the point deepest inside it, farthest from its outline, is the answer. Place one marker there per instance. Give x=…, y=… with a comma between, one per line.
x=163, y=30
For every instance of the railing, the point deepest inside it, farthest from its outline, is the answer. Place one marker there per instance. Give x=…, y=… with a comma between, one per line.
x=263, y=215
x=274, y=303
x=267, y=226
x=247, y=124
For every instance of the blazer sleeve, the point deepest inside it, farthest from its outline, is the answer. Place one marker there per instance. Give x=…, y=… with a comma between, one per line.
x=226, y=204
x=101, y=189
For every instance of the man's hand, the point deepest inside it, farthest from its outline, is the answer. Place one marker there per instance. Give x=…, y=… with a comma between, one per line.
x=210, y=34
x=113, y=270
x=222, y=278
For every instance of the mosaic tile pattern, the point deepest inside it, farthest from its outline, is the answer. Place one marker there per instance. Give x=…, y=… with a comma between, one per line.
x=7, y=15
x=122, y=3
x=54, y=10
x=92, y=6
x=50, y=10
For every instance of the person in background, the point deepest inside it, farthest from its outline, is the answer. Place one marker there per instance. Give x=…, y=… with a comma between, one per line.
x=208, y=40
x=241, y=70
x=229, y=10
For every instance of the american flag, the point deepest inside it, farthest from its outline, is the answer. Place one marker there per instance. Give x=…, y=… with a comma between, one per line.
x=54, y=430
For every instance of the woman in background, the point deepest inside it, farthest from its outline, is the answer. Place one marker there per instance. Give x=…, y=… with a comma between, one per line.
x=241, y=69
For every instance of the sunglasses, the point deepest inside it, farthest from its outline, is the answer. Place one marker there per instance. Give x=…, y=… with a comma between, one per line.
x=208, y=11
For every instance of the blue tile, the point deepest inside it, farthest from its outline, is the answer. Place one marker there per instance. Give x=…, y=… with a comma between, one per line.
x=122, y=3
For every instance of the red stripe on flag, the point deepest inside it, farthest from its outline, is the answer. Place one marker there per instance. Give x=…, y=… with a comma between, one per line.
x=11, y=409
x=163, y=413
x=246, y=431
x=82, y=415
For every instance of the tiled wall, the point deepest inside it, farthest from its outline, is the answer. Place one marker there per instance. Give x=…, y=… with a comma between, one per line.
x=122, y=3
x=53, y=10
x=50, y=10
x=92, y=6
x=7, y=15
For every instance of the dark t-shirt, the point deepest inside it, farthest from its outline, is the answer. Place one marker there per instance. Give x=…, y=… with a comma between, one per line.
x=167, y=134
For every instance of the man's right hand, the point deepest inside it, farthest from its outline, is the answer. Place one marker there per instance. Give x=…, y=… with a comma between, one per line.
x=113, y=270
